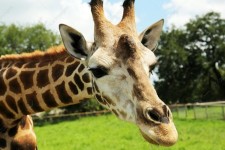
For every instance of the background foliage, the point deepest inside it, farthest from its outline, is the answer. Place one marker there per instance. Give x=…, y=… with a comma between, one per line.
x=192, y=61
x=18, y=39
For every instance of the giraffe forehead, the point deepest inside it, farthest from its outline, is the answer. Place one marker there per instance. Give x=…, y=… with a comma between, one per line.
x=104, y=57
x=101, y=58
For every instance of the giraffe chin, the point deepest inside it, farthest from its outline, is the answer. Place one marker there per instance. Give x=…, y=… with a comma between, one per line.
x=148, y=139
x=159, y=141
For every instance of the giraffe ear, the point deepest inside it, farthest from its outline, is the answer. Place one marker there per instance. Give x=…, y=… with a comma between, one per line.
x=150, y=36
x=74, y=42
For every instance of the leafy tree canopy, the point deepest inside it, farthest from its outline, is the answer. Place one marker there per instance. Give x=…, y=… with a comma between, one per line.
x=18, y=39
x=192, y=61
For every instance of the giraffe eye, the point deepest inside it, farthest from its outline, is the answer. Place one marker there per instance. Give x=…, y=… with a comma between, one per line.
x=99, y=72
x=151, y=68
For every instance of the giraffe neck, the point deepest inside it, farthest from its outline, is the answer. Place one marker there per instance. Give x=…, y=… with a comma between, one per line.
x=30, y=85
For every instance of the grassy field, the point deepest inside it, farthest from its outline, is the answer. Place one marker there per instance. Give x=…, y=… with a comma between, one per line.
x=108, y=133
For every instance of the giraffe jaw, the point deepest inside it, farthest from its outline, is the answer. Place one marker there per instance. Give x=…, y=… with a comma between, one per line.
x=161, y=134
x=147, y=138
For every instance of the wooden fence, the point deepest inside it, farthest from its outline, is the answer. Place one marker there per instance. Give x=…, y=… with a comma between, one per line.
x=68, y=116
x=209, y=110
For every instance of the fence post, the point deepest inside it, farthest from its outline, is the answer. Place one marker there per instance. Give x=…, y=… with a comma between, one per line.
x=186, y=111
x=223, y=112
x=206, y=112
x=177, y=108
x=195, y=117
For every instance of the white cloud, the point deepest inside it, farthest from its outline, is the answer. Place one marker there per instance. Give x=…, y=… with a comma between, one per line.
x=113, y=11
x=181, y=11
x=75, y=13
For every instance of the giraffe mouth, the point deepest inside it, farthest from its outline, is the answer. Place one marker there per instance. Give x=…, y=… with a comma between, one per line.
x=166, y=138
x=147, y=138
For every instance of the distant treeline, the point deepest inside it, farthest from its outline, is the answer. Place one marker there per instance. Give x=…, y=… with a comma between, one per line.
x=18, y=39
x=191, y=64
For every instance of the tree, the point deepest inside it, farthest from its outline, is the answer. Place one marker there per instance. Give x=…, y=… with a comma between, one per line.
x=18, y=39
x=191, y=61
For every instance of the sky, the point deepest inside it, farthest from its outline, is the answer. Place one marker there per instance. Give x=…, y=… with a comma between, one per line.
x=76, y=13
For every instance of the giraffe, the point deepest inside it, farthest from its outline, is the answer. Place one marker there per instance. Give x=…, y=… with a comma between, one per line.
x=115, y=69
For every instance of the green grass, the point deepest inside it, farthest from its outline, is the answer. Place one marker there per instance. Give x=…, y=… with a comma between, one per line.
x=108, y=133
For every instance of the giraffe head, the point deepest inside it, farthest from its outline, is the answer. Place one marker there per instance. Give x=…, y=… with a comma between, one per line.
x=120, y=62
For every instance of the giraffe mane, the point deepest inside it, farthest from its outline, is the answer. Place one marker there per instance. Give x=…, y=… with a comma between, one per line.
x=51, y=53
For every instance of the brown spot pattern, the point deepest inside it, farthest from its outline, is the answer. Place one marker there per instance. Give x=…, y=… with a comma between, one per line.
x=12, y=132
x=5, y=112
x=49, y=99
x=96, y=87
x=137, y=92
x=10, y=73
x=3, y=129
x=3, y=87
x=22, y=107
x=57, y=71
x=100, y=100
x=11, y=103
x=30, y=65
x=109, y=101
x=78, y=81
x=73, y=88
x=33, y=102
x=81, y=68
x=69, y=59
x=14, y=86
x=89, y=90
x=86, y=78
x=19, y=64
x=132, y=73
x=26, y=78
x=71, y=68
x=42, y=64
x=62, y=93
x=42, y=78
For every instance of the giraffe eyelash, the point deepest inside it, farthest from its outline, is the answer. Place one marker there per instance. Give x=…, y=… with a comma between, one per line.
x=99, y=72
x=152, y=67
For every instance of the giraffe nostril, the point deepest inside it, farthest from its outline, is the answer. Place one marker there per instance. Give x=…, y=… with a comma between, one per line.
x=153, y=115
x=168, y=113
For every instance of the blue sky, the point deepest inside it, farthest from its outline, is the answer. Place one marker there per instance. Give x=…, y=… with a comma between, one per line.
x=150, y=12
x=76, y=13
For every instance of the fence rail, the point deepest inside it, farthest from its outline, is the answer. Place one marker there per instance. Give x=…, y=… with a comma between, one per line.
x=71, y=115
x=208, y=110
